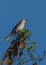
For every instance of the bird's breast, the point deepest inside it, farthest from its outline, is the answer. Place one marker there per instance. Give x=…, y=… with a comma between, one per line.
x=21, y=26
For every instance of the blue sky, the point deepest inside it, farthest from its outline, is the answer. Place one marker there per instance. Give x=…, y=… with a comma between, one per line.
x=11, y=11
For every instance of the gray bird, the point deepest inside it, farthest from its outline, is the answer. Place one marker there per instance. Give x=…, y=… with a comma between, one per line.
x=17, y=28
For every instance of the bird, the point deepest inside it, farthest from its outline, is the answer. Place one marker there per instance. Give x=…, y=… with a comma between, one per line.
x=17, y=28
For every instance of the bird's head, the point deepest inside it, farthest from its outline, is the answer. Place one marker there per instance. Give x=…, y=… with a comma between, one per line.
x=24, y=20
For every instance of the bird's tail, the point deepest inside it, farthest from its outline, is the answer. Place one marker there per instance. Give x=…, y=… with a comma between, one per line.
x=8, y=37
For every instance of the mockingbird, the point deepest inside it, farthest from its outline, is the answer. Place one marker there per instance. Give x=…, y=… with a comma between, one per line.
x=17, y=28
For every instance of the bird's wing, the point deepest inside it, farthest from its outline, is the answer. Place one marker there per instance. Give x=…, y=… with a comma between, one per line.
x=15, y=28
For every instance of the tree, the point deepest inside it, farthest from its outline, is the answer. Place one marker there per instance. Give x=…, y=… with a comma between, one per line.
x=18, y=46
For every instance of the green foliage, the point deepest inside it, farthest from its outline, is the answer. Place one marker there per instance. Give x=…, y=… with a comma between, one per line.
x=32, y=47
x=24, y=33
x=32, y=56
